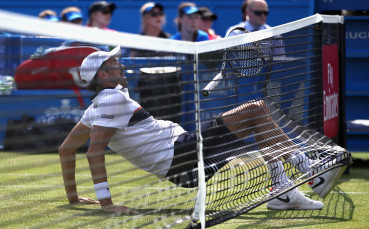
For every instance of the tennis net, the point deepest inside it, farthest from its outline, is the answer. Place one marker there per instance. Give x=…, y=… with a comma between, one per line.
x=291, y=103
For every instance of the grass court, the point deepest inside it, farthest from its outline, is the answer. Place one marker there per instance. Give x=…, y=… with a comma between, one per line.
x=33, y=196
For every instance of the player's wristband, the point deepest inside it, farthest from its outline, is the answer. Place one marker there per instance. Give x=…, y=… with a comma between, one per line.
x=102, y=190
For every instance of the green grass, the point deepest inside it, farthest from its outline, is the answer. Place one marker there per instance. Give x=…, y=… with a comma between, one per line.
x=360, y=155
x=32, y=194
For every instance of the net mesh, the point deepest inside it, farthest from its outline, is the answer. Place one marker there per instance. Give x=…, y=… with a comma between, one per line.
x=250, y=120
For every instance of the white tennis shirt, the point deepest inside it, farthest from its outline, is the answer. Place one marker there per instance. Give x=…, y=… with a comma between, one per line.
x=147, y=144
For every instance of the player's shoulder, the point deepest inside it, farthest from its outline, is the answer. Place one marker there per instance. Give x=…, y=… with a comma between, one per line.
x=112, y=96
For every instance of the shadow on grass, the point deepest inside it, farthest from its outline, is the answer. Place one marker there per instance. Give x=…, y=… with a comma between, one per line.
x=338, y=207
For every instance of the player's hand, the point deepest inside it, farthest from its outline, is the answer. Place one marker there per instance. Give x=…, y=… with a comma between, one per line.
x=86, y=200
x=118, y=209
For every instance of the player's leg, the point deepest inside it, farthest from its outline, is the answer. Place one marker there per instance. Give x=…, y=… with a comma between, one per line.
x=256, y=117
x=222, y=136
x=270, y=135
x=183, y=169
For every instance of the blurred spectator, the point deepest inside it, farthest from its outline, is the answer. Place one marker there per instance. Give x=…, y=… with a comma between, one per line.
x=100, y=14
x=48, y=15
x=153, y=20
x=72, y=15
x=187, y=24
x=257, y=11
x=206, y=22
x=159, y=87
x=243, y=16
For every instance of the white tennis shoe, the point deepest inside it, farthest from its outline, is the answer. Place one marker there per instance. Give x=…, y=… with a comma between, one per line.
x=324, y=183
x=294, y=200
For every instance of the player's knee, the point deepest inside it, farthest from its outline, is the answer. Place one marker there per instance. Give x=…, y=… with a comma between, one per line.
x=259, y=105
x=254, y=109
x=61, y=150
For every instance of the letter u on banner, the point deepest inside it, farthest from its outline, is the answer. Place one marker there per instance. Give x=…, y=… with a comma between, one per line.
x=330, y=90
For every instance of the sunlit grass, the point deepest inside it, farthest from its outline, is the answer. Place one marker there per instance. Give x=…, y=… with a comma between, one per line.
x=33, y=196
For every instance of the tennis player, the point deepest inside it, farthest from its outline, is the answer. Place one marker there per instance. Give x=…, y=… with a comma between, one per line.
x=117, y=121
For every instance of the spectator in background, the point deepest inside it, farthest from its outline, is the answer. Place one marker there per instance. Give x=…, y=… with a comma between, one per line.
x=72, y=15
x=257, y=11
x=48, y=15
x=153, y=20
x=187, y=24
x=257, y=14
x=206, y=22
x=243, y=16
x=100, y=14
x=158, y=87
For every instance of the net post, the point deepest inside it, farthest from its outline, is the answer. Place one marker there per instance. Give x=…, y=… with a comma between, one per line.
x=199, y=208
x=342, y=139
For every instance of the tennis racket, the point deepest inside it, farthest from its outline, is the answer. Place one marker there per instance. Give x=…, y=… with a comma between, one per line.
x=246, y=59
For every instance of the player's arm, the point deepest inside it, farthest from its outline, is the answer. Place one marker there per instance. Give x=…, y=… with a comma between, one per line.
x=99, y=139
x=67, y=153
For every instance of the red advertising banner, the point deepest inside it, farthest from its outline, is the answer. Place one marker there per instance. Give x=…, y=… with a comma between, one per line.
x=330, y=90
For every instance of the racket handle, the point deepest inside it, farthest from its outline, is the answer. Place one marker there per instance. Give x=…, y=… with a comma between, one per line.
x=212, y=84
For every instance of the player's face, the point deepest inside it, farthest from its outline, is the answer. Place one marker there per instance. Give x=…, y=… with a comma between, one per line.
x=115, y=73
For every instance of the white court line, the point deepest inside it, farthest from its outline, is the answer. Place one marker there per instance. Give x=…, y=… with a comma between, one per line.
x=354, y=193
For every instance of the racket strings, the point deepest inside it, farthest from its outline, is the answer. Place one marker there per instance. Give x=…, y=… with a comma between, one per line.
x=246, y=59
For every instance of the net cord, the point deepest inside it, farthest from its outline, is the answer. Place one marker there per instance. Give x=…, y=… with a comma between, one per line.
x=208, y=46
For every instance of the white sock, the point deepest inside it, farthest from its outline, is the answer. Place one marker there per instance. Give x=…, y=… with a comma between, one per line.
x=279, y=177
x=300, y=161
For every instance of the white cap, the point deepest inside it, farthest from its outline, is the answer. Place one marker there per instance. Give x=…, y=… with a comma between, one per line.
x=93, y=62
